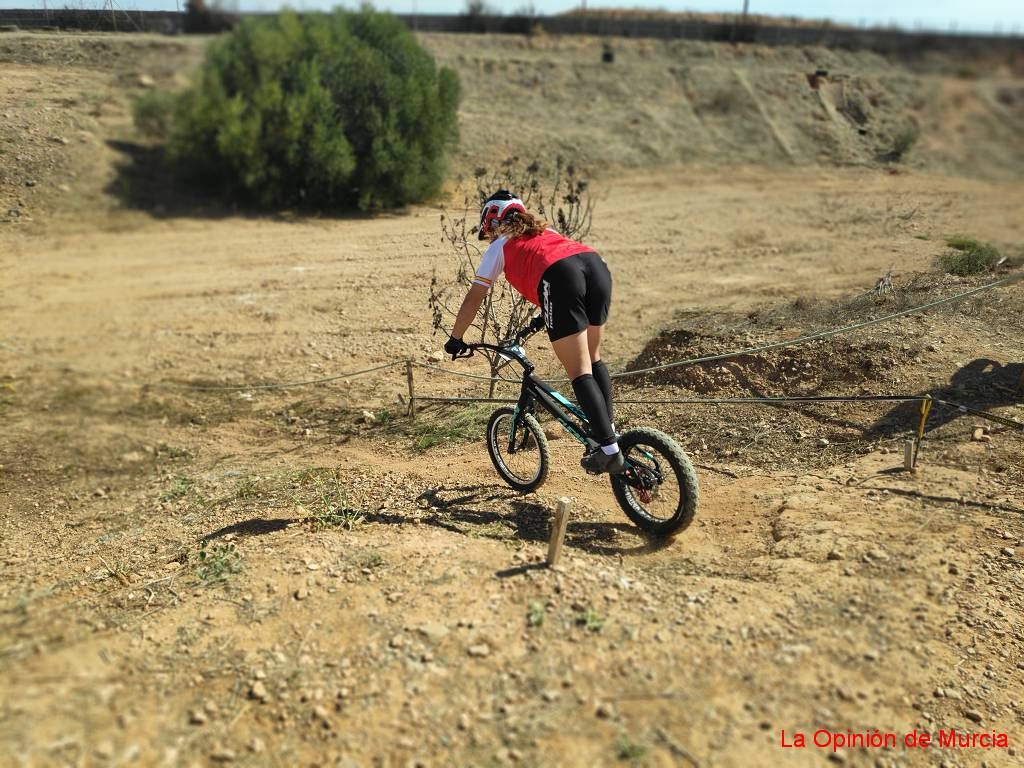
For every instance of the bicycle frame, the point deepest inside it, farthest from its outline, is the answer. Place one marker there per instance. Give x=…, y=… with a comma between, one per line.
x=535, y=390
x=571, y=417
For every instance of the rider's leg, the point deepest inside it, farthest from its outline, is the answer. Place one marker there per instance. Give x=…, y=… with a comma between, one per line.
x=574, y=355
x=595, y=333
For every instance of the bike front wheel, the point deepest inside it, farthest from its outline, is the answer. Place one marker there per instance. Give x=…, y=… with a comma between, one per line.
x=522, y=459
x=658, y=487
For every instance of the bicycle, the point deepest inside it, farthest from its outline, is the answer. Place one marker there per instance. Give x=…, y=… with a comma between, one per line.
x=519, y=448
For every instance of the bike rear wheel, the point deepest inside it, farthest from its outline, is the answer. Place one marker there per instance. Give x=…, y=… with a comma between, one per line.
x=525, y=466
x=658, y=487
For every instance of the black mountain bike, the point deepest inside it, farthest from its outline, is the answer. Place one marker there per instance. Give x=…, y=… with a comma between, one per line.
x=657, y=488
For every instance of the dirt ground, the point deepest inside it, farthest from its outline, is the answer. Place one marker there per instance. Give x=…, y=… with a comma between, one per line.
x=269, y=577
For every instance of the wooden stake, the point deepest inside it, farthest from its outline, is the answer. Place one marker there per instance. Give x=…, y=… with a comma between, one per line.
x=412, y=390
x=908, y=455
x=558, y=531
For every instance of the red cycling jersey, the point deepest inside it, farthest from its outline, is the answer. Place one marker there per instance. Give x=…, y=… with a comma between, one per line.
x=524, y=260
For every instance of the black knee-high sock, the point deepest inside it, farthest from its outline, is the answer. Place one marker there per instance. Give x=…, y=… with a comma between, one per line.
x=591, y=400
x=604, y=381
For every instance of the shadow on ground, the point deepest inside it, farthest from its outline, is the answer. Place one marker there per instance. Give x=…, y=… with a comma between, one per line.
x=479, y=511
x=254, y=527
x=475, y=510
x=146, y=181
x=980, y=384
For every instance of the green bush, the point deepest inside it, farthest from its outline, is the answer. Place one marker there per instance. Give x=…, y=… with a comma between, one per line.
x=968, y=256
x=326, y=111
x=154, y=112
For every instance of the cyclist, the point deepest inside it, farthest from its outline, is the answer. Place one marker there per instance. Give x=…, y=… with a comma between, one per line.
x=572, y=286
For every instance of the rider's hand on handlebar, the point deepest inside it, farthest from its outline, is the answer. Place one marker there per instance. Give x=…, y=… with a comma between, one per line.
x=455, y=347
x=536, y=324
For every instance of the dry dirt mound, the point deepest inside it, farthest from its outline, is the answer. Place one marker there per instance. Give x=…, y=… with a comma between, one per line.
x=966, y=353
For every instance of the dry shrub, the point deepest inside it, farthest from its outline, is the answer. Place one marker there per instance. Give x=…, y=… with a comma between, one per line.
x=967, y=256
x=559, y=194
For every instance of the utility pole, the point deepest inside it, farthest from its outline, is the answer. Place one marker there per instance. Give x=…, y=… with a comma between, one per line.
x=746, y=7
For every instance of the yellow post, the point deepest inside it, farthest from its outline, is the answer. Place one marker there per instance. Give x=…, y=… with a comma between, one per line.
x=926, y=407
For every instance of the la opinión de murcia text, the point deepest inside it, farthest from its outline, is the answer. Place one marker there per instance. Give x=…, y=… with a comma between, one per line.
x=945, y=738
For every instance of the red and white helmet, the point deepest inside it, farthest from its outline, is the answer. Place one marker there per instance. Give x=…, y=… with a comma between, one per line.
x=496, y=209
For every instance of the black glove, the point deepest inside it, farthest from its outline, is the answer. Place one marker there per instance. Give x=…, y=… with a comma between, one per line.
x=536, y=324
x=455, y=347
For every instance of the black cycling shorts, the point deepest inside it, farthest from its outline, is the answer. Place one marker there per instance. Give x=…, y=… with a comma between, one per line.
x=575, y=292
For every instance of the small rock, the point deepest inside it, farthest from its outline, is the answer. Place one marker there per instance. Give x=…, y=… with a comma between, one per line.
x=64, y=187
x=953, y=569
x=222, y=755
x=433, y=631
x=197, y=717
x=1008, y=551
x=605, y=711
x=980, y=435
x=30, y=182
x=973, y=714
x=838, y=757
x=550, y=695
x=256, y=746
x=59, y=140
x=435, y=357
x=396, y=642
x=145, y=81
x=835, y=554
x=321, y=714
x=878, y=554
x=823, y=442
x=366, y=417
x=871, y=655
x=301, y=594
x=479, y=651
x=132, y=457
x=259, y=692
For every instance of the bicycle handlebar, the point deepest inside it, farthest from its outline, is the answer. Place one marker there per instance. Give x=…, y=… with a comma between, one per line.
x=506, y=348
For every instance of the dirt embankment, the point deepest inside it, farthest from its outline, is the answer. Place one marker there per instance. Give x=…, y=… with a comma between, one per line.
x=70, y=145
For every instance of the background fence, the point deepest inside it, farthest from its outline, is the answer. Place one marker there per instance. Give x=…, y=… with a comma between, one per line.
x=886, y=41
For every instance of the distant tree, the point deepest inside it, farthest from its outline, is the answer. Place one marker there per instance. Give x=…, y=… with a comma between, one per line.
x=480, y=8
x=329, y=111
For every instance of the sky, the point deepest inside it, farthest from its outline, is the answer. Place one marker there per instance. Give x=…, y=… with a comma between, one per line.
x=1003, y=16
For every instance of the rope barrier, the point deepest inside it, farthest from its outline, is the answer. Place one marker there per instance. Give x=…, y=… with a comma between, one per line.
x=1013, y=423
x=824, y=334
x=460, y=374
x=501, y=379
x=203, y=387
x=926, y=403
x=285, y=385
x=714, y=401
